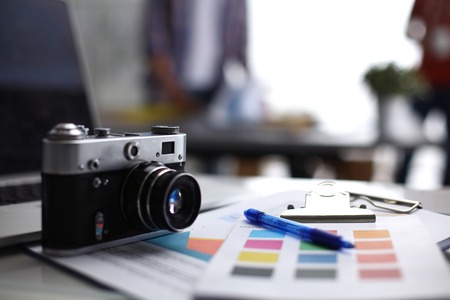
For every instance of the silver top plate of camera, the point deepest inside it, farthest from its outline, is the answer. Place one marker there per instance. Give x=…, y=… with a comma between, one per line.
x=80, y=153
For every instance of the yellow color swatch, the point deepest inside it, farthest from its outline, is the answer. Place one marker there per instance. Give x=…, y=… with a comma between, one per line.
x=249, y=256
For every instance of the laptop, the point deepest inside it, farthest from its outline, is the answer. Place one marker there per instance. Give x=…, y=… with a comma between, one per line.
x=42, y=82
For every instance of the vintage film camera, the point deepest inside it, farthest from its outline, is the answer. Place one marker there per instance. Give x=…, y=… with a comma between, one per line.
x=108, y=189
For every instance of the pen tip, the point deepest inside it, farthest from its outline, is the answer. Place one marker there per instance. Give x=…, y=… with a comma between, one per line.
x=346, y=244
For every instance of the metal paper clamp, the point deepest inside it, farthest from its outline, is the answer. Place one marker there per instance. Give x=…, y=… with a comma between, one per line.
x=410, y=204
x=328, y=204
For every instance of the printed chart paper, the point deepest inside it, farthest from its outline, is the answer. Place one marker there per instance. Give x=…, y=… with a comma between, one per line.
x=272, y=265
x=391, y=260
x=166, y=267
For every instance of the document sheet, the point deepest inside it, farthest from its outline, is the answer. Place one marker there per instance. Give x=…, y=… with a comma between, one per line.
x=224, y=256
x=390, y=261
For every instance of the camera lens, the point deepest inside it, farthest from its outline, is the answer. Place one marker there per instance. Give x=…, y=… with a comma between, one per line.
x=156, y=197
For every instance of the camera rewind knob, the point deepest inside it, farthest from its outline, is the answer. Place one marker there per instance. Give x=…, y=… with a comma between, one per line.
x=162, y=129
x=67, y=131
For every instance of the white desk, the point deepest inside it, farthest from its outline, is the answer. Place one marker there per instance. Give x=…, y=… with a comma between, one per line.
x=24, y=277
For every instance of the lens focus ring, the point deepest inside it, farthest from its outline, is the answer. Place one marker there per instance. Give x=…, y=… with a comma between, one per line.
x=156, y=197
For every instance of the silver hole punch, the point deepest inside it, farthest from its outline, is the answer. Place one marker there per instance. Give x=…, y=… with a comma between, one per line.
x=328, y=204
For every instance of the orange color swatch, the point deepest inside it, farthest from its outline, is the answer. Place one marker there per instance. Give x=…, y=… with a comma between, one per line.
x=373, y=245
x=204, y=245
x=376, y=258
x=371, y=234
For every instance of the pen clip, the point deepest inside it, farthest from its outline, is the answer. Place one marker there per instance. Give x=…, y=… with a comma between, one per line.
x=411, y=204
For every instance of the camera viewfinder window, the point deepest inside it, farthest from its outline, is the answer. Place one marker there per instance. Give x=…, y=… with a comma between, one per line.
x=168, y=148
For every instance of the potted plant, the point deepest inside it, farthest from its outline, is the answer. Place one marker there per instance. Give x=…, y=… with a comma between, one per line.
x=390, y=81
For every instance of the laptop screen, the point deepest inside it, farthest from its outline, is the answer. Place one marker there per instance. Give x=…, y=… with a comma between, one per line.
x=41, y=81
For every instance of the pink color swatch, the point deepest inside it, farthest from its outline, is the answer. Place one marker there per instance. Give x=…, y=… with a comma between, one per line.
x=264, y=244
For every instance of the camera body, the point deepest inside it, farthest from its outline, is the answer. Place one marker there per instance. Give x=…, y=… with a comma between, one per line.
x=108, y=188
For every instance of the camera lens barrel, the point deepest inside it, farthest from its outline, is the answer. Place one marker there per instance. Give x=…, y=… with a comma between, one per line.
x=155, y=197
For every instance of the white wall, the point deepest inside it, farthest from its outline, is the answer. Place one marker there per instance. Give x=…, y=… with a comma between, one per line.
x=311, y=54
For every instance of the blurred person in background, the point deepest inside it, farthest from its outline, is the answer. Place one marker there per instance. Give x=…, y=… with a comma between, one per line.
x=188, y=44
x=429, y=25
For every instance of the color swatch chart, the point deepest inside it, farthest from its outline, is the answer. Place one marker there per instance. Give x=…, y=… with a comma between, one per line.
x=374, y=255
x=316, y=262
x=389, y=260
x=260, y=254
x=182, y=242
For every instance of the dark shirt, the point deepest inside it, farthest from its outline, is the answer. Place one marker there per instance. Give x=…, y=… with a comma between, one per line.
x=167, y=31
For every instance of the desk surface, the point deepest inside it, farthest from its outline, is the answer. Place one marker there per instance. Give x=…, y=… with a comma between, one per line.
x=260, y=140
x=205, y=136
x=23, y=276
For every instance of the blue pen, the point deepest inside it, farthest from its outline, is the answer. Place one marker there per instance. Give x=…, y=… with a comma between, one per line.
x=309, y=234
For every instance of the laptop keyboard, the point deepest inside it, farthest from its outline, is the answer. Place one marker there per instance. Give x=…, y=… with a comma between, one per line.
x=20, y=193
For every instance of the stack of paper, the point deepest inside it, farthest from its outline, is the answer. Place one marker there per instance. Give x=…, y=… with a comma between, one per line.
x=224, y=256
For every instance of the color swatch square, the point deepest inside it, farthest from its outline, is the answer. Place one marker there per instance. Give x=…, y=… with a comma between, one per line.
x=204, y=245
x=264, y=244
x=371, y=234
x=307, y=246
x=379, y=274
x=315, y=273
x=258, y=257
x=272, y=234
x=373, y=245
x=256, y=272
x=376, y=258
x=317, y=258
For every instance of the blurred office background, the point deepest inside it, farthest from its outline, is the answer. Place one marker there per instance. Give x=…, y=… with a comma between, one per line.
x=309, y=57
